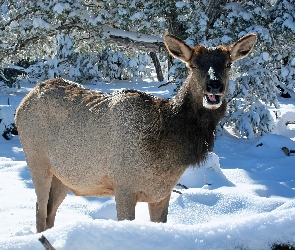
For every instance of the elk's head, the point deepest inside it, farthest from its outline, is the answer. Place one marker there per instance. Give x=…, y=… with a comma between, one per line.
x=210, y=66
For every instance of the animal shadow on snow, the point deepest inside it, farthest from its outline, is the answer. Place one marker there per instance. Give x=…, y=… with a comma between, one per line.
x=26, y=177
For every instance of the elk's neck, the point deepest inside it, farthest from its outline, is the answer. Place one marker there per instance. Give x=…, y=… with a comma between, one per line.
x=189, y=91
x=192, y=124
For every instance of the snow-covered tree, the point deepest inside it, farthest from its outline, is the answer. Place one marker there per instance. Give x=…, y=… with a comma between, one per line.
x=256, y=77
x=283, y=42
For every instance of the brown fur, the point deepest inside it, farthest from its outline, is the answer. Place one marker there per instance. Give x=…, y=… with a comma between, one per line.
x=128, y=144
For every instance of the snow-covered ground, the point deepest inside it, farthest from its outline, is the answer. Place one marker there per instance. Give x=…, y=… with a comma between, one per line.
x=241, y=198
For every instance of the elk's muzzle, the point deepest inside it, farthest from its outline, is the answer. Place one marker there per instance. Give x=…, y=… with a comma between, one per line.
x=214, y=87
x=213, y=95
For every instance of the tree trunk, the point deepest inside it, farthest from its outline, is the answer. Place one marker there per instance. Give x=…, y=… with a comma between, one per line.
x=157, y=65
x=214, y=10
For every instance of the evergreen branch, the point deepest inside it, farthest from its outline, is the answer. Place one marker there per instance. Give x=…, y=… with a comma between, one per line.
x=235, y=96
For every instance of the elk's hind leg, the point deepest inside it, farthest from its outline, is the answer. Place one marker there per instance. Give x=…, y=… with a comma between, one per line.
x=159, y=210
x=41, y=177
x=58, y=192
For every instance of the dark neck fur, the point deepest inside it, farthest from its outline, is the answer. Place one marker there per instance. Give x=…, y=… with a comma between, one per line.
x=191, y=126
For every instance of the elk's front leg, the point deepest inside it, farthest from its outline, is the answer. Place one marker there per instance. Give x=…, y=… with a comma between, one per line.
x=159, y=210
x=125, y=204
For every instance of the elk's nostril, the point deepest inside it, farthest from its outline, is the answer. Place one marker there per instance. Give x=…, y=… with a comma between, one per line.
x=214, y=87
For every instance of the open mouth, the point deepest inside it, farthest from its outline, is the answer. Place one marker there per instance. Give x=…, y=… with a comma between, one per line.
x=212, y=101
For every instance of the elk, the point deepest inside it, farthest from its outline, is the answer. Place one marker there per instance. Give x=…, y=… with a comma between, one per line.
x=128, y=144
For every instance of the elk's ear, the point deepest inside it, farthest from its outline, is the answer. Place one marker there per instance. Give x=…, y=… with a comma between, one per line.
x=177, y=48
x=242, y=47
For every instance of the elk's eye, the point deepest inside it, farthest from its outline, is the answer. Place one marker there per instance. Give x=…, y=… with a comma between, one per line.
x=192, y=66
x=228, y=65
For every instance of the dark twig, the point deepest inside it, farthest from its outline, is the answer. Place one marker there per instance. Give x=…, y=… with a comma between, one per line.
x=176, y=191
x=183, y=186
x=179, y=185
x=46, y=243
x=165, y=84
x=289, y=122
x=287, y=246
x=287, y=151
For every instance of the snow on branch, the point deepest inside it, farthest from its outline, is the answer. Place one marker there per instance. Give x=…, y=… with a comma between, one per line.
x=137, y=45
x=135, y=41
